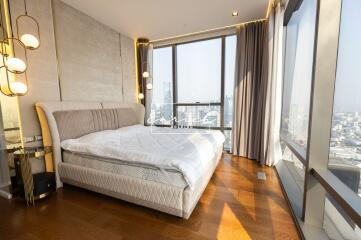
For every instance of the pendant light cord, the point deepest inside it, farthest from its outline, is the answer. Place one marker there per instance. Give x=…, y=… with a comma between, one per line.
x=26, y=10
x=2, y=25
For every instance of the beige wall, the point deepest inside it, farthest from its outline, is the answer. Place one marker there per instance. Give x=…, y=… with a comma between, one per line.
x=95, y=62
x=42, y=69
x=89, y=56
x=128, y=63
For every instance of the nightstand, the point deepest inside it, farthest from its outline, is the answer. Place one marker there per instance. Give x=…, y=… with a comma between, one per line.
x=33, y=186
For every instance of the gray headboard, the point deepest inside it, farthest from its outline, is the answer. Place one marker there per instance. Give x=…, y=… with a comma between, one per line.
x=76, y=123
x=123, y=114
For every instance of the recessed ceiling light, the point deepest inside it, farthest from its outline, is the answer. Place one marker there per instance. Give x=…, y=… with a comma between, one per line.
x=234, y=13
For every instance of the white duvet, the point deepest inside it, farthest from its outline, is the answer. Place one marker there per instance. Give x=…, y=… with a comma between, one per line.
x=188, y=151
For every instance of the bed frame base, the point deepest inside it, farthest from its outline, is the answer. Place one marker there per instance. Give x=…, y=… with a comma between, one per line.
x=165, y=198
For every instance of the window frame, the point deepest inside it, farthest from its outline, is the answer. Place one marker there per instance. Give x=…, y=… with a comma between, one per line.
x=177, y=104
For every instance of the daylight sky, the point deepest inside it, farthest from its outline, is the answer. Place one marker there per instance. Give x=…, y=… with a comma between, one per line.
x=199, y=71
x=348, y=82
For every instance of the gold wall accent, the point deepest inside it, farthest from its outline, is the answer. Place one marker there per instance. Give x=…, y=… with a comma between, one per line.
x=136, y=70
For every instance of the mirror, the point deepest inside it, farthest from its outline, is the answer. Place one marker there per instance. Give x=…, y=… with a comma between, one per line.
x=10, y=135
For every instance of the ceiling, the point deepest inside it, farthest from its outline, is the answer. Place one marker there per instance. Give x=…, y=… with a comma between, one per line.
x=158, y=19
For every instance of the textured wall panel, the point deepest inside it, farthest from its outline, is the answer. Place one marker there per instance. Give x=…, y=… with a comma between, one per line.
x=42, y=68
x=128, y=64
x=95, y=62
x=89, y=57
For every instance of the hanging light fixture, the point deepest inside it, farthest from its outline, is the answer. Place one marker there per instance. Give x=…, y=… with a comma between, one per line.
x=149, y=86
x=15, y=62
x=141, y=96
x=145, y=84
x=31, y=39
x=145, y=74
x=14, y=52
x=14, y=59
x=18, y=88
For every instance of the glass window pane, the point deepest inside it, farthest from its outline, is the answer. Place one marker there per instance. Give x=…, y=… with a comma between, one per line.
x=336, y=222
x=300, y=33
x=295, y=165
x=162, y=107
x=345, y=142
x=199, y=71
x=293, y=178
x=199, y=116
x=229, y=68
x=228, y=142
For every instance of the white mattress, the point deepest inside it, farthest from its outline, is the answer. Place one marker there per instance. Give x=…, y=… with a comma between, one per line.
x=186, y=151
x=109, y=165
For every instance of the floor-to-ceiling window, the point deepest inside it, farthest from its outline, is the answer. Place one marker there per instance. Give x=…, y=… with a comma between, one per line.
x=298, y=65
x=321, y=117
x=193, y=84
x=345, y=143
x=162, y=86
x=199, y=80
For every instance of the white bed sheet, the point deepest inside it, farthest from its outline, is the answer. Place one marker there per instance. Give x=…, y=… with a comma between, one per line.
x=189, y=151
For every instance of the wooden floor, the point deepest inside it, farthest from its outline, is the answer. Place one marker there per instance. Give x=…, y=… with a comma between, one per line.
x=235, y=205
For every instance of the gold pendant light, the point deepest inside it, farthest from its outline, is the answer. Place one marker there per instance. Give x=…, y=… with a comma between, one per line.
x=28, y=30
x=14, y=59
x=14, y=51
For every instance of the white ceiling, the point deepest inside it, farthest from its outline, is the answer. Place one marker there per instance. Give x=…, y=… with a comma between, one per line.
x=158, y=19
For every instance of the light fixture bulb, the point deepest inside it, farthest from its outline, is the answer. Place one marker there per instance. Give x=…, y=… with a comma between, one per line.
x=145, y=74
x=18, y=88
x=15, y=65
x=235, y=13
x=149, y=86
x=30, y=41
x=140, y=95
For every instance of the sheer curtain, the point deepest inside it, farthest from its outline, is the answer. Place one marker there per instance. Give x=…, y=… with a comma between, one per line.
x=258, y=89
x=275, y=41
x=149, y=85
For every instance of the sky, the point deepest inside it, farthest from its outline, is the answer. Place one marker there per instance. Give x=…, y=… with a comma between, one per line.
x=199, y=71
x=299, y=55
x=348, y=75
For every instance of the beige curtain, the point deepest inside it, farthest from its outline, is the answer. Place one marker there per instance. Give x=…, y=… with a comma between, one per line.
x=250, y=85
x=257, y=94
x=145, y=56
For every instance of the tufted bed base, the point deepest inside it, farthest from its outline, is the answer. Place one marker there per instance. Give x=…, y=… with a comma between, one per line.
x=163, y=197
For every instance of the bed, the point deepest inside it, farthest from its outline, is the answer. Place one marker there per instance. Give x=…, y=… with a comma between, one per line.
x=105, y=147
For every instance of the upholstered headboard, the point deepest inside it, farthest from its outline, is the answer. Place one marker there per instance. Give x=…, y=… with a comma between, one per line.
x=77, y=123
x=100, y=116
